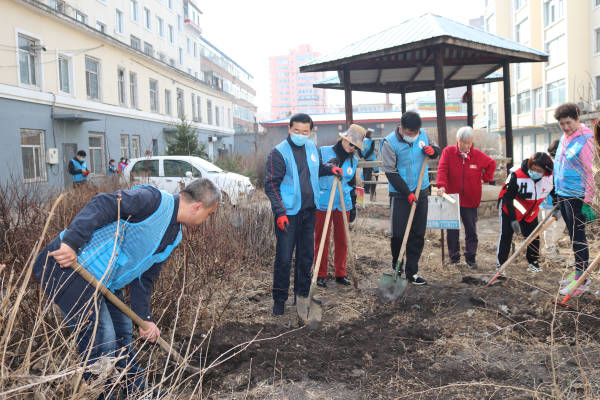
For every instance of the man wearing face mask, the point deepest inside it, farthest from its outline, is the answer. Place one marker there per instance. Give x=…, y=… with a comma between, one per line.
x=78, y=169
x=403, y=152
x=462, y=169
x=292, y=185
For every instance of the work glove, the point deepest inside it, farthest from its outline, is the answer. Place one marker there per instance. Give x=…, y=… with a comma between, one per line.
x=588, y=212
x=516, y=227
x=411, y=198
x=283, y=222
x=352, y=216
x=428, y=150
x=86, y=172
x=556, y=214
x=337, y=171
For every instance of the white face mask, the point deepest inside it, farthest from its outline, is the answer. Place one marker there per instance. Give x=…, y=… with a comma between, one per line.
x=410, y=139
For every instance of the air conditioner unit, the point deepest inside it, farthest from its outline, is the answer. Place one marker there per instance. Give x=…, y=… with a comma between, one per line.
x=52, y=155
x=212, y=138
x=584, y=106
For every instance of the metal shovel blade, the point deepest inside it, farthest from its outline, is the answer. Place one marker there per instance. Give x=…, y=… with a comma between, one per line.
x=310, y=311
x=390, y=290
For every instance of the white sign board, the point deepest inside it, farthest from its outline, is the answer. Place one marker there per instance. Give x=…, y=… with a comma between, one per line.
x=443, y=214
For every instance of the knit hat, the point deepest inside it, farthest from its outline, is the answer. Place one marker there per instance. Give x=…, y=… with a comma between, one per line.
x=355, y=135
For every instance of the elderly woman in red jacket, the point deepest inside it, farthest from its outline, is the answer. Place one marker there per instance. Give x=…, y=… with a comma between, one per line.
x=462, y=169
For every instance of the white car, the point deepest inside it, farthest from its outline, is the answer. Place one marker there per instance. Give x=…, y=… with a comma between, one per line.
x=173, y=173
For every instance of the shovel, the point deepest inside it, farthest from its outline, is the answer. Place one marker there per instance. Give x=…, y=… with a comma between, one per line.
x=580, y=281
x=89, y=278
x=311, y=310
x=391, y=286
x=351, y=264
x=542, y=226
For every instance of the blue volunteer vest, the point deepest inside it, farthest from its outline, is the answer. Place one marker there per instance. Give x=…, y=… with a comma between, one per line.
x=367, y=144
x=79, y=165
x=568, y=169
x=325, y=182
x=135, y=248
x=409, y=160
x=291, y=194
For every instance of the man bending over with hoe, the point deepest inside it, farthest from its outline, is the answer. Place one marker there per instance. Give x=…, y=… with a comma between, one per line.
x=121, y=239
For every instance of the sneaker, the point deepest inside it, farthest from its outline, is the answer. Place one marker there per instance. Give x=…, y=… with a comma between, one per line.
x=321, y=282
x=454, y=260
x=567, y=280
x=471, y=263
x=417, y=280
x=534, y=267
x=581, y=289
x=278, y=308
x=342, y=280
x=502, y=276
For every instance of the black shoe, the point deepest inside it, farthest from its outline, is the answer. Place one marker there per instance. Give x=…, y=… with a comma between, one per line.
x=321, y=282
x=278, y=307
x=342, y=280
x=471, y=263
x=454, y=260
x=417, y=280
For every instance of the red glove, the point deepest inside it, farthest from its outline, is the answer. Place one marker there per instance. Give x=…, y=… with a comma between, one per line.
x=337, y=172
x=428, y=150
x=86, y=172
x=283, y=222
x=411, y=198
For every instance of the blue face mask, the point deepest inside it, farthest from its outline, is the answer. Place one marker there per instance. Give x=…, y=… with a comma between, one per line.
x=535, y=175
x=410, y=139
x=299, y=140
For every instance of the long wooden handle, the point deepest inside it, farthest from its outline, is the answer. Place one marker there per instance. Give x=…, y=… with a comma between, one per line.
x=413, y=209
x=323, y=236
x=542, y=226
x=582, y=278
x=348, y=239
x=89, y=278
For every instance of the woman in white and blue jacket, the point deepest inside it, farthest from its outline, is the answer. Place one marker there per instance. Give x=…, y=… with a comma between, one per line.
x=341, y=155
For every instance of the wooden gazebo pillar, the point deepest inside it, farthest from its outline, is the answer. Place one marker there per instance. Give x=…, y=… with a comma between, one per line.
x=348, y=98
x=403, y=101
x=507, y=116
x=440, y=101
x=470, y=105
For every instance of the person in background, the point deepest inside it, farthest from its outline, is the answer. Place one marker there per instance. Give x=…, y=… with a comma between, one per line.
x=292, y=185
x=462, y=169
x=403, y=152
x=519, y=201
x=554, y=231
x=574, y=184
x=122, y=164
x=341, y=155
x=369, y=174
x=78, y=169
x=112, y=168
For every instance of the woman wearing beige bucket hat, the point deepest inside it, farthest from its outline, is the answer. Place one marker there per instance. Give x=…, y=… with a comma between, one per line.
x=341, y=155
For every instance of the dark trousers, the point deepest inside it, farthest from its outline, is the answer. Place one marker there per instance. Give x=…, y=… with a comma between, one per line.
x=75, y=298
x=570, y=209
x=300, y=235
x=533, y=250
x=368, y=175
x=400, y=210
x=468, y=216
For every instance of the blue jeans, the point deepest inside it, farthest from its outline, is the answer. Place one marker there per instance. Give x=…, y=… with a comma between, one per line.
x=300, y=234
x=570, y=209
x=75, y=298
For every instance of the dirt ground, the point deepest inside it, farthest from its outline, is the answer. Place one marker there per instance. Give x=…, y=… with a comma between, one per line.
x=450, y=339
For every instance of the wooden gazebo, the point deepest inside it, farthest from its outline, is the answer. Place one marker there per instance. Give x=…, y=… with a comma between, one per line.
x=425, y=53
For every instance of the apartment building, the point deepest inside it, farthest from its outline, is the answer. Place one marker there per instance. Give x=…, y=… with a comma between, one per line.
x=110, y=77
x=569, y=31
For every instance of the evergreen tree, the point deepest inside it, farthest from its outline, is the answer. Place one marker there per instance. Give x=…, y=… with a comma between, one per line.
x=184, y=142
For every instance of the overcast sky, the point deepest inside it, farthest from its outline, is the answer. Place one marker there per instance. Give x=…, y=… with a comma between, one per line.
x=251, y=31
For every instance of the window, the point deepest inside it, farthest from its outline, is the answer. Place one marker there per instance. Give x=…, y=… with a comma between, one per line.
x=524, y=102
x=145, y=168
x=596, y=3
x=135, y=146
x=161, y=27
x=133, y=10
x=180, y=56
x=96, y=153
x=522, y=31
x=167, y=102
x=598, y=87
x=125, y=146
x=556, y=50
x=180, y=108
x=170, y=3
x=121, y=86
x=209, y=112
x=597, y=38
x=199, y=107
x=92, y=78
x=229, y=117
x=162, y=57
x=538, y=98
x=100, y=26
x=28, y=61
x=179, y=23
x=188, y=45
x=133, y=89
x=136, y=43
x=147, y=18
x=148, y=49
x=519, y=4
x=553, y=11
x=178, y=168
x=58, y=5
x=119, y=21
x=171, y=34
x=555, y=93
x=81, y=17
x=492, y=116
x=541, y=142
x=217, y=119
x=154, y=147
x=32, y=154
x=194, y=107
x=195, y=50
x=64, y=73
x=490, y=24
x=153, y=95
